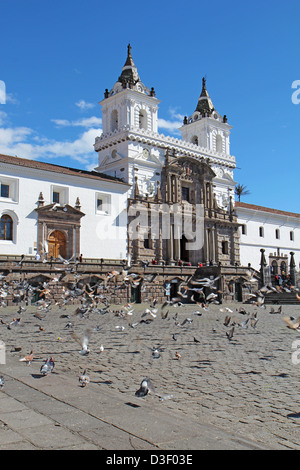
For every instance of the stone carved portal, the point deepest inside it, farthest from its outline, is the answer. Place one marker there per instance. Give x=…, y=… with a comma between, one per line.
x=186, y=184
x=59, y=231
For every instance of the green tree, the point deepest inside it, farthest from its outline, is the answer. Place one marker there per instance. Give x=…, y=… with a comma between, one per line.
x=241, y=190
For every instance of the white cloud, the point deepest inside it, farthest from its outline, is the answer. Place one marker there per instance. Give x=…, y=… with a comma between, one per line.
x=26, y=143
x=78, y=149
x=61, y=122
x=84, y=105
x=176, y=115
x=92, y=121
x=3, y=117
x=171, y=126
x=10, y=98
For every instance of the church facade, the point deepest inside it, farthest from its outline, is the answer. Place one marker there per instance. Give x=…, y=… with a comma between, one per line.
x=171, y=177
x=151, y=199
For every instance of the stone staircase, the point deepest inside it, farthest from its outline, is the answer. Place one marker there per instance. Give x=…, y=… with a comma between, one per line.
x=282, y=298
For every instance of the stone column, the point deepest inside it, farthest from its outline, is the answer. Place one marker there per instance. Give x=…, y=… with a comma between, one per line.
x=170, y=242
x=213, y=244
x=292, y=269
x=206, y=243
x=264, y=269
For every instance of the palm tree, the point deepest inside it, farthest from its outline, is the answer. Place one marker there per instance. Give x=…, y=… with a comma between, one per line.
x=240, y=190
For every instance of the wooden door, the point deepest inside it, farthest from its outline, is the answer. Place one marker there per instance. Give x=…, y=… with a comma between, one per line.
x=57, y=244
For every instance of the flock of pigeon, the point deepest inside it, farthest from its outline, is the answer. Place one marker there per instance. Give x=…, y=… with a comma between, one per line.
x=92, y=299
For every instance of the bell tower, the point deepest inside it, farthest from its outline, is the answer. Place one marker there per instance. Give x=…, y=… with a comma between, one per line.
x=129, y=113
x=210, y=132
x=206, y=127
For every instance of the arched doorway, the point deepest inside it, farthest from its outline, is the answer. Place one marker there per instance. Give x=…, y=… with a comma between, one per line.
x=57, y=244
x=184, y=253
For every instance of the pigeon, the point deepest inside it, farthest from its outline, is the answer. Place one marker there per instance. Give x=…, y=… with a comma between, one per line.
x=164, y=315
x=206, y=282
x=155, y=353
x=48, y=366
x=28, y=359
x=244, y=323
x=253, y=322
x=290, y=324
x=230, y=333
x=84, y=379
x=1, y=381
x=84, y=343
x=145, y=388
x=186, y=320
x=276, y=311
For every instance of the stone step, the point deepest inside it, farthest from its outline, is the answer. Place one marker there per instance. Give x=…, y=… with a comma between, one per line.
x=282, y=298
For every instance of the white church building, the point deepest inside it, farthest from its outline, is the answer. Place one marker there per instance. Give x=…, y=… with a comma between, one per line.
x=54, y=210
x=46, y=208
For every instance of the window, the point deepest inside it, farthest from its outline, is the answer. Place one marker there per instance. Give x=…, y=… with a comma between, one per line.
x=114, y=120
x=185, y=193
x=9, y=189
x=143, y=120
x=274, y=268
x=6, y=228
x=55, y=197
x=195, y=140
x=277, y=233
x=60, y=194
x=225, y=247
x=99, y=204
x=244, y=229
x=219, y=143
x=292, y=236
x=261, y=231
x=103, y=204
x=4, y=190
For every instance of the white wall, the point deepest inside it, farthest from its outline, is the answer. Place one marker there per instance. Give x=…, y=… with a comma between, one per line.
x=251, y=242
x=95, y=226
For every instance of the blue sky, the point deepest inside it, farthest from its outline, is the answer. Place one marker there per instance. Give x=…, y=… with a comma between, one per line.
x=57, y=58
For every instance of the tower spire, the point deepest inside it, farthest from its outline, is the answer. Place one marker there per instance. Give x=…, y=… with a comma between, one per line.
x=129, y=76
x=129, y=61
x=204, y=90
x=205, y=106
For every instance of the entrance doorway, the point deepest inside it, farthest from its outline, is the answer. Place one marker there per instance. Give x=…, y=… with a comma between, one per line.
x=184, y=253
x=238, y=292
x=57, y=244
x=174, y=289
x=135, y=294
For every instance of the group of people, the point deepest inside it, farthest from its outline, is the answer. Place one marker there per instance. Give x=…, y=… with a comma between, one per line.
x=283, y=280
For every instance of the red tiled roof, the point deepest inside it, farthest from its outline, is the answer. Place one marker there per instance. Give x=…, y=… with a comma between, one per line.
x=57, y=168
x=265, y=209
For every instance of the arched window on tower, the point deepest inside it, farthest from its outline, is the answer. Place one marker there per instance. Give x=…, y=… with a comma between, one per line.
x=6, y=228
x=142, y=119
x=114, y=120
x=195, y=140
x=219, y=143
